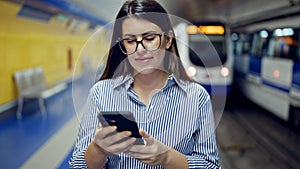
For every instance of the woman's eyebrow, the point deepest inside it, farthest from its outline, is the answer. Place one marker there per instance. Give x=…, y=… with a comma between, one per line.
x=145, y=33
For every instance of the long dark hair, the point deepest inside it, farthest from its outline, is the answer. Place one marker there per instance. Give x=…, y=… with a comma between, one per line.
x=148, y=10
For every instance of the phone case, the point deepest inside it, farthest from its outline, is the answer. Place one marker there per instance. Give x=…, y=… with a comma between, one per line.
x=124, y=121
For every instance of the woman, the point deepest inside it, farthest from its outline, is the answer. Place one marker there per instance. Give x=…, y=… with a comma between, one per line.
x=144, y=75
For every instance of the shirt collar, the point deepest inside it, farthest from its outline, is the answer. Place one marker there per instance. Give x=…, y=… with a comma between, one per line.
x=120, y=80
x=173, y=80
x=128, y=80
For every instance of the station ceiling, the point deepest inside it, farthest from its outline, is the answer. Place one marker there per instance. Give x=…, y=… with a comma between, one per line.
x=235, y=12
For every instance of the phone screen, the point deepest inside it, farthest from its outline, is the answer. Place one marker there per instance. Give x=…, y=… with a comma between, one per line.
x=124, y=121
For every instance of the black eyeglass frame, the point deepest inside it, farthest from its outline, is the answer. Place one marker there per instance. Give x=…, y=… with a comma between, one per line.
x=120, y=41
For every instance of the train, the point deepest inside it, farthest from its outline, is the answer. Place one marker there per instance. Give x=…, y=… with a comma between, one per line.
x=267, y=66
x=206, y=52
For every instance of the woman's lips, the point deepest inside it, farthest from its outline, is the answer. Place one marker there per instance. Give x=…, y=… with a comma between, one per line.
x=143, y=60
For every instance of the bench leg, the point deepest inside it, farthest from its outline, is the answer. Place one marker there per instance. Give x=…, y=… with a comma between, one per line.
x=42, y=107
x=20, y=107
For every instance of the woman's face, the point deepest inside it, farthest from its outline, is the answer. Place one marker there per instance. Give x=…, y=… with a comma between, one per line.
x=144, y=44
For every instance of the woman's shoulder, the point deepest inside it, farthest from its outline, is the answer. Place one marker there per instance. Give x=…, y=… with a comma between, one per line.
x=104, y=82
x=108, y=84
x=102, y=85
x=196, y=91
x=195, y=87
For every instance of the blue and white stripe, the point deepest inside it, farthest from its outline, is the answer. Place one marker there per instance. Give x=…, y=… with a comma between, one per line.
x=179, y=115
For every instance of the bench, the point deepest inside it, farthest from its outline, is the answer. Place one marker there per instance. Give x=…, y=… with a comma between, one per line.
x=31, y=84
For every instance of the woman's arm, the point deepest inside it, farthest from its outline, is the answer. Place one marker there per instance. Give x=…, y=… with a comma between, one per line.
x=175, y=160
x=94, y=156
x=86, y=132
x=205, y=152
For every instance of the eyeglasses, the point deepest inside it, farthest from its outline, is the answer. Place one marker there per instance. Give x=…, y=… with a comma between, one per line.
x=150, y=42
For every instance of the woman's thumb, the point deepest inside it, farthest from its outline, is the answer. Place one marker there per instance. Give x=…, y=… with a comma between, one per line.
x=149, y=140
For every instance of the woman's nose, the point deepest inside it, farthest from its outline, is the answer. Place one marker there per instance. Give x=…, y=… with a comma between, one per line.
x=140, y=48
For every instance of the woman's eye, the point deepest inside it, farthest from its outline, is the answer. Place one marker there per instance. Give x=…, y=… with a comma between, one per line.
x=129, y=41
x=149, y=38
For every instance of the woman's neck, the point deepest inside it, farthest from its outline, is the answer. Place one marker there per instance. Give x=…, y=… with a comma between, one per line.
x=152, y=81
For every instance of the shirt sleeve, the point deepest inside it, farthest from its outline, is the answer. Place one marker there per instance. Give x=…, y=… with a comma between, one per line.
x=88, y=125
x=205, y=153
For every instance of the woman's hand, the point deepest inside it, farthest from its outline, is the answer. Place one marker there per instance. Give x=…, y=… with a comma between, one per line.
x=153, y=153
x=111, y=142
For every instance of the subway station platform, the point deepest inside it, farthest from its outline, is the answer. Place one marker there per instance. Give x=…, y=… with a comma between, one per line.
x=247, y=136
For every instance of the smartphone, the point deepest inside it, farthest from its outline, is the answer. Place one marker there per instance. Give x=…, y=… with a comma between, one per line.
x=124, y=120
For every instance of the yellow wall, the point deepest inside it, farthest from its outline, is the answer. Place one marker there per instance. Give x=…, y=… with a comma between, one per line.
x=26, y=43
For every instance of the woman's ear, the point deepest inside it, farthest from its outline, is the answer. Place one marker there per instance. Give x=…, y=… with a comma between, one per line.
x=169, y=38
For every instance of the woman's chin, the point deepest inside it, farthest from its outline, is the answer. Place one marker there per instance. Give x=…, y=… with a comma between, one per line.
x=145, y=71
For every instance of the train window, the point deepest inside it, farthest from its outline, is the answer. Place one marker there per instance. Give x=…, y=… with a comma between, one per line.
x=255, y=45
x=259, y=44
x=242, y=44
x=271, y=47
x=284, y=44
x=203, y=51
x=234, y=39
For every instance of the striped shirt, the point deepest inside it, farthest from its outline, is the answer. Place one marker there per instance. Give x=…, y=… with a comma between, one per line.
x=178, y=115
